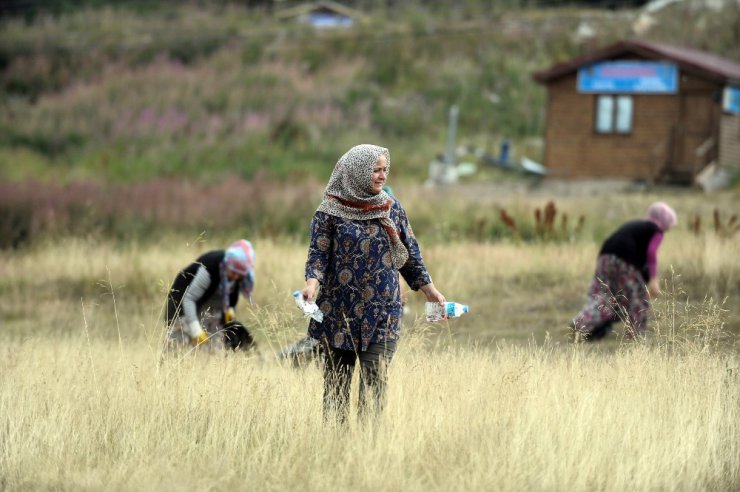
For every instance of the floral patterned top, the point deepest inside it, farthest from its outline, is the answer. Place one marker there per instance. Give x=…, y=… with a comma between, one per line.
x=360, y=292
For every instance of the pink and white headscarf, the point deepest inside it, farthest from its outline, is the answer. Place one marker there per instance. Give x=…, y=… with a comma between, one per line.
x=662, y=215
x=239, y=258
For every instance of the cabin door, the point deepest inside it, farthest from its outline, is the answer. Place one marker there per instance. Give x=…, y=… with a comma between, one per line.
x=697, y=123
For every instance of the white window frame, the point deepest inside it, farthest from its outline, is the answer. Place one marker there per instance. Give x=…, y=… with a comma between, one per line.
x=614, y=114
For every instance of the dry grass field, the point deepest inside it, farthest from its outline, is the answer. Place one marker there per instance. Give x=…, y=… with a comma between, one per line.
x=496, y=400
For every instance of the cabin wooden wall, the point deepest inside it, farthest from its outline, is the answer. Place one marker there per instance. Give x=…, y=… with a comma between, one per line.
x=575, y=150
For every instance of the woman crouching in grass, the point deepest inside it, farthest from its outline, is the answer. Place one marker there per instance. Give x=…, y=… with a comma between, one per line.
x=626, y=265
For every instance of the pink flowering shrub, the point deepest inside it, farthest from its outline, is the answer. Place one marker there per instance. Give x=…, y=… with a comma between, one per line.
x=30, y=210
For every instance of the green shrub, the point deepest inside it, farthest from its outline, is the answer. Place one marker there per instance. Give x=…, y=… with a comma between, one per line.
x=16, y=225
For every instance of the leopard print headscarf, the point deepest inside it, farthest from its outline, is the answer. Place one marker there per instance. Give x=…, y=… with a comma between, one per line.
x=349, y=194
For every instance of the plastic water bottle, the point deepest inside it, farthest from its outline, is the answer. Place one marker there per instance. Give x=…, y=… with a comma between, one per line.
x=309, y=308
x=437, y=312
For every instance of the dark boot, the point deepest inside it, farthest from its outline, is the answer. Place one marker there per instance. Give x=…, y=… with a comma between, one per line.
x=599, y=332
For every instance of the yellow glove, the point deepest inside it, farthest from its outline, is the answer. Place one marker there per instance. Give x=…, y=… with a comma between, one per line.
x=200, y=339
x=230, y=315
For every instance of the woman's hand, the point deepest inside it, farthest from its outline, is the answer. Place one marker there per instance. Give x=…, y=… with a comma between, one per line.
x=309, y=291
x=432, y=294
x=654, y=287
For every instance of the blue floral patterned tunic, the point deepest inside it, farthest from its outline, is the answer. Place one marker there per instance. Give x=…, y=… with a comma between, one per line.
x=360, y=292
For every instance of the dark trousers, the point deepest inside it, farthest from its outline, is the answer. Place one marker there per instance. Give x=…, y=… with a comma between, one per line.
x=338, y=368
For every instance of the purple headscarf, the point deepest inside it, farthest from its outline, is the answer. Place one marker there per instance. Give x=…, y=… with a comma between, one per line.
x=662, y=215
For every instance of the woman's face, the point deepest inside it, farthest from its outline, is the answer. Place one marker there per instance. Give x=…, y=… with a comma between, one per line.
x=232, y=275
x=380, y=174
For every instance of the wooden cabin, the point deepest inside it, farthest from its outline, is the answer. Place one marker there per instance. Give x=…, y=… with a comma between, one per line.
x=641, y=111
x=322, y=15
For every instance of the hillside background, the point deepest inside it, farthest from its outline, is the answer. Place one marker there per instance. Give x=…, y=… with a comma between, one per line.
x=109, y=104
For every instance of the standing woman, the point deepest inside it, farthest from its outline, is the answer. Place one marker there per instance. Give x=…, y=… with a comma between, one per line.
x=360, y=241
x=628, y=260
x=204, y=294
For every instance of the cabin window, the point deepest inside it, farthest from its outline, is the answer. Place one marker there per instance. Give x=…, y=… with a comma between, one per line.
x=613, y=114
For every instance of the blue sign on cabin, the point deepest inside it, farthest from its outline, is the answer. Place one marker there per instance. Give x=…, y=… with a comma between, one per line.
x=731, y=100
x=629, y=77
x=329, y=20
